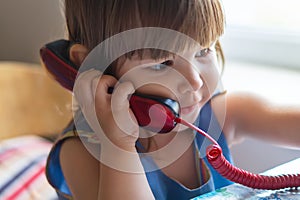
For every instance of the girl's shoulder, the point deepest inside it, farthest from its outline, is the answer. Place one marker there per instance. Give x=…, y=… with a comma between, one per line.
x=70, y=164
x=80, y=168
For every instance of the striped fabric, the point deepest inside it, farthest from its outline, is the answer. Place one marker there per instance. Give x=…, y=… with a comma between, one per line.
x=22, y=169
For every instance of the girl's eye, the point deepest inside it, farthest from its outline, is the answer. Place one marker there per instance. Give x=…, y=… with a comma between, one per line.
x=202, y=53
x=158, y=67
x=161, y=66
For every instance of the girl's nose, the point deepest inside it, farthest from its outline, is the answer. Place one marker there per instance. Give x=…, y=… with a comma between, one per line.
x=191, y=79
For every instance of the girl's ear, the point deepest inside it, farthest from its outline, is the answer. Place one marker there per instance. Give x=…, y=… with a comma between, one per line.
x=77, y=54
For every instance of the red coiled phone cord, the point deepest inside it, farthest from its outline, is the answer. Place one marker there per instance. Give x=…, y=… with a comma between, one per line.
x=227, y=170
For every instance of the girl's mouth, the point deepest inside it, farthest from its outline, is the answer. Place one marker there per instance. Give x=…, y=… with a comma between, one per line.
x=188, y=109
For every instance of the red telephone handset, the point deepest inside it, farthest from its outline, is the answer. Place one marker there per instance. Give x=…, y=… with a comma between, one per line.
x=55, y=58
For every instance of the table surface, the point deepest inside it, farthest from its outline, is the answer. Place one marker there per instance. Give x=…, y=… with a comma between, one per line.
x=237, y=191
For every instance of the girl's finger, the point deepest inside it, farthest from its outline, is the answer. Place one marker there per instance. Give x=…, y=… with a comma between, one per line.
x=122, y=115
x=102, y=87
x=121, y=94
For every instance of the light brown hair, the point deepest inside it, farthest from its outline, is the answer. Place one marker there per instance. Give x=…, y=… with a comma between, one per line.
x=90, y=22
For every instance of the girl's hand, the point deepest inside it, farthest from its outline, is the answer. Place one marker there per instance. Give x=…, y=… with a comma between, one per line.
x=108, y=114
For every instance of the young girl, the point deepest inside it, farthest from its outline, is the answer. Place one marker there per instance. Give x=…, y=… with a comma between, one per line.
x=134, y=162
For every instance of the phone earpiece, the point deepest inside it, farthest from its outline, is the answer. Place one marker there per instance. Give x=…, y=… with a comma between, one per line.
x=55, y=58
x=154, y=113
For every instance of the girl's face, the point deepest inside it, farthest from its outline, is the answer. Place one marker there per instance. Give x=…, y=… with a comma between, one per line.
x=189, y=78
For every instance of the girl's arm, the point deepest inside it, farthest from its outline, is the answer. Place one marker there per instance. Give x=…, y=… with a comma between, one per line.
x=113, y=122
x=87, y=178
x=250, y=116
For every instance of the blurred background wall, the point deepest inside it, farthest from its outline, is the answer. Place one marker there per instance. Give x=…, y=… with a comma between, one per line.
x=26, y=25
x=262, y=45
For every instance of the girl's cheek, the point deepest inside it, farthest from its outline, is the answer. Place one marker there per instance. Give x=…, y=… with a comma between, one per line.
x=211, y=79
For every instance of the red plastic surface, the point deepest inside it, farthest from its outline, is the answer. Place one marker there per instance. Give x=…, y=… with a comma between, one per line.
x=227, y=170
x=151, y=115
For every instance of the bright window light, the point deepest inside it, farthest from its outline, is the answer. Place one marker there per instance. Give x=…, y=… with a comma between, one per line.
x=263, y=31
x=264, y=14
